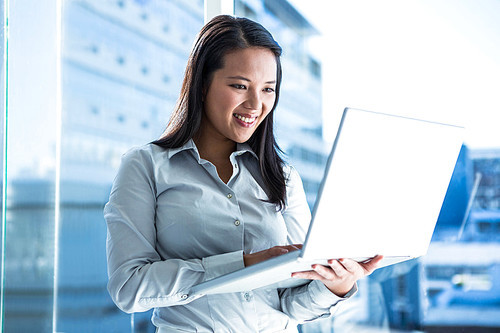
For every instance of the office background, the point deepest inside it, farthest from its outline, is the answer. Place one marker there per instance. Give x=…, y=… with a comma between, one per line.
x=85, y=80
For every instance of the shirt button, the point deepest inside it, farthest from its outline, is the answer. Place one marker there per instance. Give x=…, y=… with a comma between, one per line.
x=247, y=297
x=184, y=296
x=236, y=223
x=236, y=166
x=229, y=196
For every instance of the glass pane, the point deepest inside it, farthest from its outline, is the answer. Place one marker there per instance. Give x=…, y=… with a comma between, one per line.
x=123, y=63
x=31, y=165
x=298, y=120
x=380, y=56
x=2, y=140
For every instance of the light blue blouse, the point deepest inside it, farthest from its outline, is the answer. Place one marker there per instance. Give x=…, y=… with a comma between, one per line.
x=173, y=223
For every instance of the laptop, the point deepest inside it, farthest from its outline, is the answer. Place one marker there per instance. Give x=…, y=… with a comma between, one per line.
x=382, y=192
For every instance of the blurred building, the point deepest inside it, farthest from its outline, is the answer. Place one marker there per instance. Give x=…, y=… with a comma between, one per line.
x=487, y=163
x=456, y=286
x=461, y=279
x=299, y=116
x=462, y=282
x=122, y=65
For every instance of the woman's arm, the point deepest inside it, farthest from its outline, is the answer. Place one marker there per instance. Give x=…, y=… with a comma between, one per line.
x=138, y=277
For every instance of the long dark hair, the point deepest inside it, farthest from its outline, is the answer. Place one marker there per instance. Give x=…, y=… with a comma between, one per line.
x=218, y=37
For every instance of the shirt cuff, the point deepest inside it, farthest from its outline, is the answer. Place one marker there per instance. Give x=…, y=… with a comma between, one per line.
x=322, y=296
x=221, y=264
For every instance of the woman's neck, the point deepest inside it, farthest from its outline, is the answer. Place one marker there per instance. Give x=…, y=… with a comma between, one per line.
x=217, y=152
x=213, y=149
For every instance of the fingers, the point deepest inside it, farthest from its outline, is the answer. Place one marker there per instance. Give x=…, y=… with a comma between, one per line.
x=328, y=273
x=253, y=258
x=285, y=248
x=339, y=276
x=293, y=247
x=321, y=272
x=371, y=265
x=367, y=267
x=279, y=250
x=347, y=268
x=310, y=275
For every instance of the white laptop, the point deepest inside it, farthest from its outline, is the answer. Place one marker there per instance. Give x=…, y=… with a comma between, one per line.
x=382, y=192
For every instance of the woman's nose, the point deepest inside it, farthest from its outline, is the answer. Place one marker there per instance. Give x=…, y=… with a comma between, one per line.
x=254, y=101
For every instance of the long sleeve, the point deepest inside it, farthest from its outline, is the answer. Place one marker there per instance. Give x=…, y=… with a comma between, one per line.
x=313, y=300
x=173, y=223
x=139, y=279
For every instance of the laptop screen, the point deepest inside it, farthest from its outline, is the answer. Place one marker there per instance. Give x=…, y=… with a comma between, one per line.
x=384, y=185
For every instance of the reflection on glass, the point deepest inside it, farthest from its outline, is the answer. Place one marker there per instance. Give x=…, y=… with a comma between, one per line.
x=2, y=137
x=461, y=276
x=299, y=128
x=30, y=168
x=123, y=63
x=456, y=286
x=122, y=67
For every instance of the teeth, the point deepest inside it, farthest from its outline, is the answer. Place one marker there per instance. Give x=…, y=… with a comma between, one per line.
x=244, y=119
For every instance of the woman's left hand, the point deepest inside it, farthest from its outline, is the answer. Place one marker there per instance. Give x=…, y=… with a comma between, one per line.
x=341, y=274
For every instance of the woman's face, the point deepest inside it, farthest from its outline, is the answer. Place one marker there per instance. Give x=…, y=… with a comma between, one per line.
x=240, y=95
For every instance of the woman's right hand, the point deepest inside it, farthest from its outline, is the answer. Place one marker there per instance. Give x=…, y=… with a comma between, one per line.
x=254, y=258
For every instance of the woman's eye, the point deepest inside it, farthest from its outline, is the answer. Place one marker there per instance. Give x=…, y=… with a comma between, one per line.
x=238, y=86
x=269, y=90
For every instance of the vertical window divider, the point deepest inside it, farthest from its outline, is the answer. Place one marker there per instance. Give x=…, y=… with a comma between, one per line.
x=5, y=60
x=58, y=104
x=218, y=7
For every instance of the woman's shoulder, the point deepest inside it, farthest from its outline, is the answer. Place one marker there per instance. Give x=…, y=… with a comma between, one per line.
x=148, y=153
x=138, y=151
x=151, y=149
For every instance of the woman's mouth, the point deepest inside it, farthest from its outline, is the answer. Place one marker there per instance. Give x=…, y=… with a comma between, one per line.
x=245, y=121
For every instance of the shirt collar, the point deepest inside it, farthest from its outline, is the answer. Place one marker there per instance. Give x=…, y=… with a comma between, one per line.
x=241, y=148
x=187, y=146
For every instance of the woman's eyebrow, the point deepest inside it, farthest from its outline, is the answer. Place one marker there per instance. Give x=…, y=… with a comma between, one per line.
x=238, y=77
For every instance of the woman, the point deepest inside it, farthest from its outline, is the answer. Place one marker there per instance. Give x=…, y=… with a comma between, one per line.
x=213, y=196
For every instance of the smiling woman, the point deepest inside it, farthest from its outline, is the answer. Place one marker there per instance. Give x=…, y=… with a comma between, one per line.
x=223, y=51
x=238, y=99
x=213, y=196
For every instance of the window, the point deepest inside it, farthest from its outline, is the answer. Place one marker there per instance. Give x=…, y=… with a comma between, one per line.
x=121, y=72
x=121, y=64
